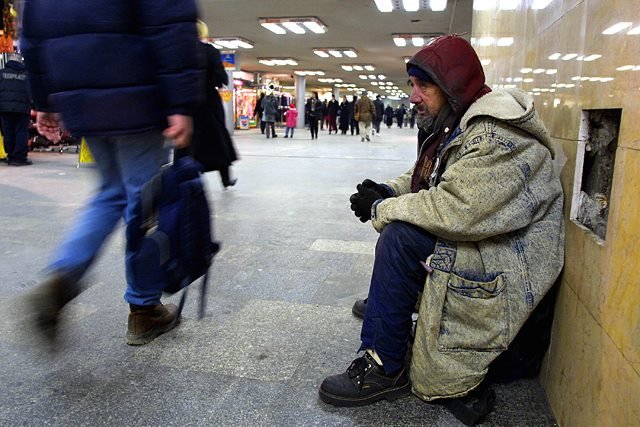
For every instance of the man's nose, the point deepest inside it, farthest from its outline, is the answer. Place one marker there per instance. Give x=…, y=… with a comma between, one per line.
x=415, y=97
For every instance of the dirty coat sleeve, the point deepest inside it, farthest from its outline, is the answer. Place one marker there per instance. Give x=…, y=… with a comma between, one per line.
x=482, y=193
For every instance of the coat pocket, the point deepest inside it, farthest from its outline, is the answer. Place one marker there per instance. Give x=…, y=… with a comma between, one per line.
x=474, y=315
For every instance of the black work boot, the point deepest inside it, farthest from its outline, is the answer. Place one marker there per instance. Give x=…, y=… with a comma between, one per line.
x=46, y=301
x=359, y=308
x=364, y=382
x=146, y=323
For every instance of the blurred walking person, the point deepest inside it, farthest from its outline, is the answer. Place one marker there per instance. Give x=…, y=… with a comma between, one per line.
x=125, y=79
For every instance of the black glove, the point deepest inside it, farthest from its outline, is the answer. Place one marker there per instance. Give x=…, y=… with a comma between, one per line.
x=379, y=188
x=362, y=201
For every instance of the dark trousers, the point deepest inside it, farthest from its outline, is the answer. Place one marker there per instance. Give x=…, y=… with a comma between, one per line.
x=354, y=126
x=332, y=124
x=376, y=125
x=15, y=131
x=397, y=280
x=313, y=126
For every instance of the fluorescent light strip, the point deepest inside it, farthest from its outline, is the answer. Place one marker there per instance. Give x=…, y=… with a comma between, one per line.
x=399, y=41
x=321, y=53
x=275, y=28
x=350, y=53
x=505, y=41
x=484, y=4
x=335, y=53
x=411, y=5
x=315, y=27
x=417, y=41
x=369, y=67
x=384, y=5
x=540, y=4
x=555, y=56
x=438, y=5
x=634, y=31
x=509, y=4
x=294, y=27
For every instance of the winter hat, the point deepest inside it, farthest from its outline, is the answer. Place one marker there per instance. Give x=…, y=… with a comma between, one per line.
x=292, y=105
x=414, y=71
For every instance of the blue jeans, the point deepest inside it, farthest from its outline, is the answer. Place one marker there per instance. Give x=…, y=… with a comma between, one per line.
x=397, y=280
x=287, y=131
x=125, y=164
x=15, y=130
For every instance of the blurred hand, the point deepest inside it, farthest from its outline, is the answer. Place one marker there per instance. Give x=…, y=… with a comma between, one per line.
x=180, y=130
x=49, y=125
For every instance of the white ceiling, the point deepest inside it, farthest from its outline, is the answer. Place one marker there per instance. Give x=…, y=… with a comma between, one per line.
x=350, y=23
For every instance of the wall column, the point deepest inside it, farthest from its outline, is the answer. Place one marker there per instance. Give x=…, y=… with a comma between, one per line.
x=300, y=84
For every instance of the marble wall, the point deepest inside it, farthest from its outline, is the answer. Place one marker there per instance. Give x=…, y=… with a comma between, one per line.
x=592, y=371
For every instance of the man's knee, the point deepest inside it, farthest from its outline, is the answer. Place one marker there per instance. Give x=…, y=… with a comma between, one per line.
x=404, y=237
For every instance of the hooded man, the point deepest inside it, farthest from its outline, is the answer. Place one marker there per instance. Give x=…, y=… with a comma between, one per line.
x=475, y=227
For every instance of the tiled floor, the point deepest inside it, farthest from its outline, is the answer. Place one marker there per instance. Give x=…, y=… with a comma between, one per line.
x=279, y=320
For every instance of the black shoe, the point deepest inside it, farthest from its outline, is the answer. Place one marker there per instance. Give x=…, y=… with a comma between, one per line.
x=364, y=382
x=359, y=308
x=286, y=136
x=26, y=162
x=274, y=136
x=230, y=183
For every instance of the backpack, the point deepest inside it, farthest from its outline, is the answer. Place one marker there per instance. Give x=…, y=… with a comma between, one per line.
x=522, y=359
x=171, y=230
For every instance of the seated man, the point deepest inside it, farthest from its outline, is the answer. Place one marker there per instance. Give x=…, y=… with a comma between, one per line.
x=476, y=226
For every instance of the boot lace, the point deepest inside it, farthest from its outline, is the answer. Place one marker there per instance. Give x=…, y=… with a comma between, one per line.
x=358, y=369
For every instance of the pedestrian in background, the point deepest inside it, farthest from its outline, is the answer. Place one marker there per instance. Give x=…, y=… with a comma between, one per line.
x=15, y=108
x=291, y=117
x=125, y=79
x=269, y=110
x=379, y=107
x=345, y=119
x=332, y=113
x=365, y=112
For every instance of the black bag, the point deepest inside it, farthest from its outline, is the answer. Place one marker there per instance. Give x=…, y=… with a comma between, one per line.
x=522, y=359
x=173, y=231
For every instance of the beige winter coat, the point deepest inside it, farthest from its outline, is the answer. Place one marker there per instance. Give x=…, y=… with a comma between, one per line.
x=498, y=213
x=365, y=109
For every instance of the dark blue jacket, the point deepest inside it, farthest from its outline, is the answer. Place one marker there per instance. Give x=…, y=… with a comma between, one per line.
x=112, y=67
x=14, y=89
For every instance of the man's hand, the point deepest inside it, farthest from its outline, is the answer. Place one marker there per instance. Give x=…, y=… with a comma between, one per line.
x=49, y=125
x=362, y=201
x=379, y=188
x=180, y=130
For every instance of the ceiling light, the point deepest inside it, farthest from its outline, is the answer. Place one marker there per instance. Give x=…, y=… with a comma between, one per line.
x=321, y=53
x=350, y=53
x=358, y=67
x=374, y=83
x=551, y=71
x=555, y=56
x=244, y=44
x=616, y=28
x=382, y=76
x=505, y=41
x=407, y=59
x=540, y=4
x=371, y=76
x=315, y=27
x=335, y=53
x=232, y=42
x=277, y=61
x=592, y=57
x=438, y=5
x=528, y=80
x=525, y=70
x=294, y=24
x=411, y=5
x=347, y=67
x=509, y=4
x=363, y=77
x=634, y=31
x=484, y=4
x=400, y=42
x=417, y=41
x=273, y=27
x=384, y=5
x=538, y=71
x=293, y=27
x=625, y=68
x=369, y=67
x=569, y=56
x=517, y=79
x=485, y=61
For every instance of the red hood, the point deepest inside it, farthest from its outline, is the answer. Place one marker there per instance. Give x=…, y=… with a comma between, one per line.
x=455, y=67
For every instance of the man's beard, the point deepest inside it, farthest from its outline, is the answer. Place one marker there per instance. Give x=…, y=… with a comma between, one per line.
x=425, y=122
